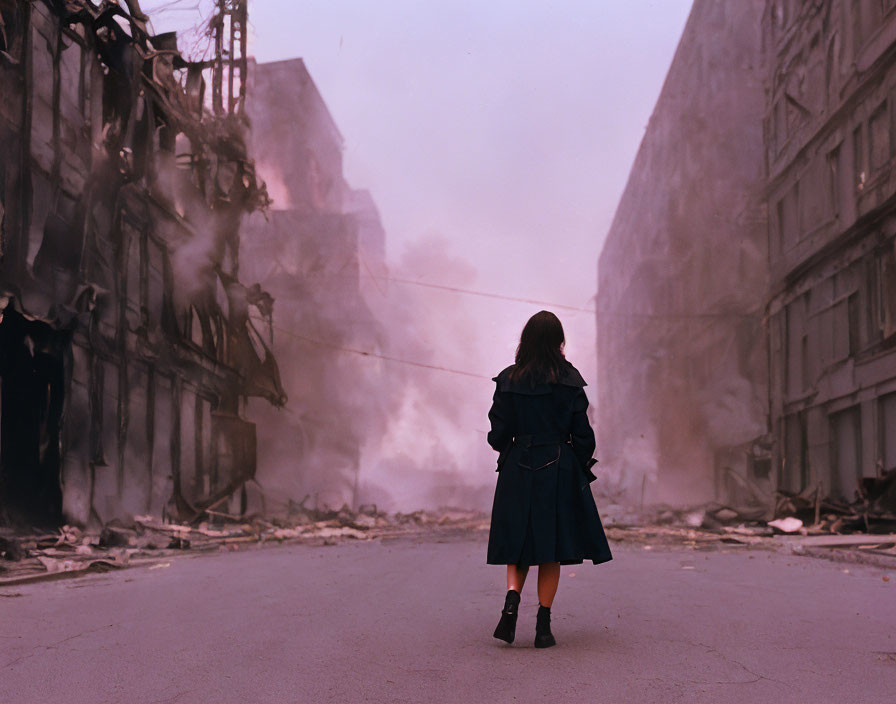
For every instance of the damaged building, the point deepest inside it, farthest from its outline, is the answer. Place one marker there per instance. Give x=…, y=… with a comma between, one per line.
x=682, y=276
x=319, y=250
x=764, y=191
x=129, y=346
x=830, y=144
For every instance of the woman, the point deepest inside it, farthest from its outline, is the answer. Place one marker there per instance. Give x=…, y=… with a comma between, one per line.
x=543, y=513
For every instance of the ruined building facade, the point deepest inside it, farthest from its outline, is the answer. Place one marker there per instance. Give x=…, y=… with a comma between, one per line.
x=830, y=144
x=318, y=250
x=128, y=344
x=774, y=174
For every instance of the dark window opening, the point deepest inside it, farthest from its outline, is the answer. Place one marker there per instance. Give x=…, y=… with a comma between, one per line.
x=858, y=155
x=11, y=30
x=886, y=292
x=852, y=314
x=796, y=460
x=61, y=244
x=887, y=432
x=761, y=467
x=4, y=43
x=846, y=452
x=804, y=363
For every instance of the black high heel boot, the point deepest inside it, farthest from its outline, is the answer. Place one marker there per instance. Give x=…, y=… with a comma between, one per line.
x=507, y=625
x=543, y=636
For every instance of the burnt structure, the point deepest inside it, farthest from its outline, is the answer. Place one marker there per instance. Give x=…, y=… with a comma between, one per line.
x=778, y=157
x=128, y=344
x=830, y=145
x=318, y=242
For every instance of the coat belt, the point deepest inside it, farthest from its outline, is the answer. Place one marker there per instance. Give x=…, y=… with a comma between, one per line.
x=527, y=441
x=539, y=440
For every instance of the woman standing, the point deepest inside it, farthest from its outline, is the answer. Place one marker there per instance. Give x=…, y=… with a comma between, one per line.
x=543, y=513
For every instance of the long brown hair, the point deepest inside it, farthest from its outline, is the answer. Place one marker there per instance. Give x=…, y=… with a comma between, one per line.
x=539, y=356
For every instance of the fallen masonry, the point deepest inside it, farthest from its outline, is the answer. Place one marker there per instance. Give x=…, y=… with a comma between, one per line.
x=841, y=535
x=147, y=540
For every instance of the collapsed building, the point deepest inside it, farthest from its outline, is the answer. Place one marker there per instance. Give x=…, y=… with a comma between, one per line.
x=129, y=347
x=319, y=250
x=761, y=209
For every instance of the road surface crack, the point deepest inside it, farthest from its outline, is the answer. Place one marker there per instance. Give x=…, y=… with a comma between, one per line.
x=52, y=646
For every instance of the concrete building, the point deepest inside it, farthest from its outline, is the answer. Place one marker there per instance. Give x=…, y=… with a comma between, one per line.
x=126, y=349
x=682, y=359
x=761, y=209
x=830, y=143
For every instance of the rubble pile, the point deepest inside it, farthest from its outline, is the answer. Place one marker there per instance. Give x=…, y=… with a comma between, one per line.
x=146, y=540
x=805, y=523
x=872, y=511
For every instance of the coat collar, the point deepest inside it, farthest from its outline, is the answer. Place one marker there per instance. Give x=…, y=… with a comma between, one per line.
x=570, y=377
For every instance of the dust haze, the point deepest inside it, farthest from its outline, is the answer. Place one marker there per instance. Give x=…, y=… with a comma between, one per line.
x=495, y=158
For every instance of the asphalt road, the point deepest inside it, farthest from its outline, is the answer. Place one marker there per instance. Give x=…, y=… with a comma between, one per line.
x=410, y=620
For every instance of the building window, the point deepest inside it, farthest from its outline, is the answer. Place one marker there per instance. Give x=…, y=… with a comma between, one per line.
x=832, y=68
x=852, y=314
x=846, y=452
x=4, y=42
x=834, y=181
x=788, y=218
x=804, y=362
x=11, y=31
x=887, y=432
x=797, y=367
x=858, y=155
x=879, y=138
x=796, y=464
x=886, y=291
x=845, y=318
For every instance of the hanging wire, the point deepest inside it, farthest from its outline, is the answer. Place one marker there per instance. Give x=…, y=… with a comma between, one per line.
x=366, y=353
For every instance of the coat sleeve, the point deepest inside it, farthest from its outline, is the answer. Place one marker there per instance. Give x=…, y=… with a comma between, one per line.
x=501, y=417
x=583, y=444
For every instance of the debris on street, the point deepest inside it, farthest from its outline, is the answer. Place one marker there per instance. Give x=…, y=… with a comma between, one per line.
x=786, y=525
x=864, y=531
x=146, y=539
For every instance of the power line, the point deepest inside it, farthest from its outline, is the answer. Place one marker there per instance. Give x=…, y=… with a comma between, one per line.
x=485, y=294
x=550, y=304
x=351, y=252
x=600, y=314
x=365, y=353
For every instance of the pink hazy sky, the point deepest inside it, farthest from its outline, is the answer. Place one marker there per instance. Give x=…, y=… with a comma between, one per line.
x=506, y=127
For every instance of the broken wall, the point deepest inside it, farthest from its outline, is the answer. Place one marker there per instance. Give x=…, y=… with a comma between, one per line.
x=318, y=242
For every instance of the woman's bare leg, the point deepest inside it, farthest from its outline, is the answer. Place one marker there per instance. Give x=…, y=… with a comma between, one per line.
x=516, y=577
x=548, y=579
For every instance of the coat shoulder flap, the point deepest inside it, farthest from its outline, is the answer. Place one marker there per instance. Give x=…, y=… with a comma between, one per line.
x=570, y=377
x=517, y=387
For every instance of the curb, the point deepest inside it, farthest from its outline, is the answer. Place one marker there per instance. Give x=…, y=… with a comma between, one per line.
x=854, y=557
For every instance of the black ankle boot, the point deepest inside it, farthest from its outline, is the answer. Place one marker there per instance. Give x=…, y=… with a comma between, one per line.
x=543, y=636
x=507, y=625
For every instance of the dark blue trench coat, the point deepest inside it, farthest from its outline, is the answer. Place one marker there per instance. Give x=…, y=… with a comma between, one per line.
x=543, y=509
